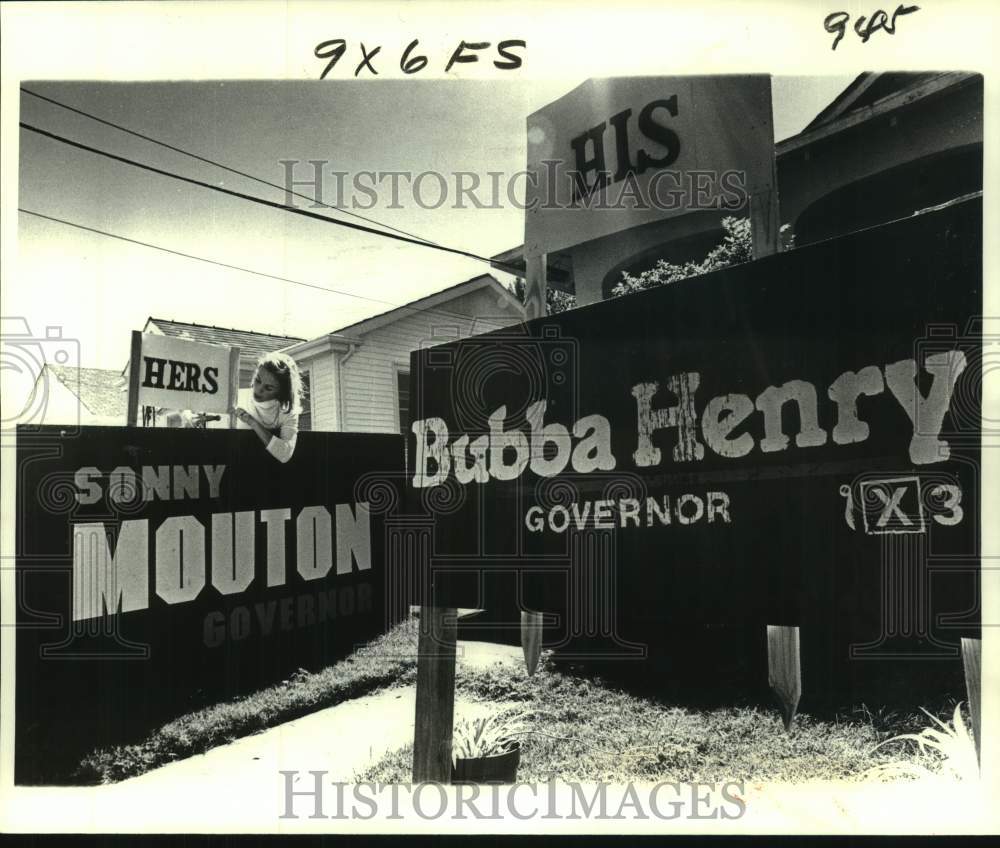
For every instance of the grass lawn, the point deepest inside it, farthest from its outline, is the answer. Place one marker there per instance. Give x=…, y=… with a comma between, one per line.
x=575, y=728
x=584, y=729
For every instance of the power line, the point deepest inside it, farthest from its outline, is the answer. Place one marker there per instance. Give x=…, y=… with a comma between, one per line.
x=264, y=202
x=232, y=267
x=208, y=161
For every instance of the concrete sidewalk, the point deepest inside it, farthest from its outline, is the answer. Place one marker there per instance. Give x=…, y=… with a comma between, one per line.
x=341, y=740
x=240, y=784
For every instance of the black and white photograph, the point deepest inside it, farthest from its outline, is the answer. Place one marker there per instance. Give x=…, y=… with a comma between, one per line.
x=552, y=419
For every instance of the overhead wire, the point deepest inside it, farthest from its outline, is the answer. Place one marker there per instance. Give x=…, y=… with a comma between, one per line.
x=234, y=267
x=214, y=162
x=269, y=203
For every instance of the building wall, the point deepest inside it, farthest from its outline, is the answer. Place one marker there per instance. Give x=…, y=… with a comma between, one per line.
x=368, y=375
x=323, y=392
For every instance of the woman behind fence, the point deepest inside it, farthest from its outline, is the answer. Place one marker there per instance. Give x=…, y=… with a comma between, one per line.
x=272, y=405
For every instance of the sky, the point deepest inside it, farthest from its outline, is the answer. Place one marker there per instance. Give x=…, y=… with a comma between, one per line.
x=98, y=289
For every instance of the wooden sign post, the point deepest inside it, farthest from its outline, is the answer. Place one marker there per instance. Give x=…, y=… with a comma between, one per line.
x=134, y=361
x=435, y=714
x=535, y=286
x=234, y=384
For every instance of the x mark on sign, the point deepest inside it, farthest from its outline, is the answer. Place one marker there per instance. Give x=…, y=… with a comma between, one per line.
x=891, y=506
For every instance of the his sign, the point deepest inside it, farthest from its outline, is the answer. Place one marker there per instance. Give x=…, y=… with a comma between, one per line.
x=618, y=153
x=181, y=374
x=159, y=570
x=784, y=442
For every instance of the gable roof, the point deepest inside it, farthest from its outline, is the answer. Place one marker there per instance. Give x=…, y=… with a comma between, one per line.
x=251, y=343
x=434, y=302
x=866, y=90
x=103, y=392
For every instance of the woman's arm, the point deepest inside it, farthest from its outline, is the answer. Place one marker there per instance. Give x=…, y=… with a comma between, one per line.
x=246, y=418
x=282, y=446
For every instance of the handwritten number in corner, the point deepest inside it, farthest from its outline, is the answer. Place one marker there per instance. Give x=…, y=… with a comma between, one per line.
x=331, y=50
x=836, y=23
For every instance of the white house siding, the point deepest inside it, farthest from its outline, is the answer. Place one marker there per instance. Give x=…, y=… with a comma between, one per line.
x=323, y=391
x=369, y=374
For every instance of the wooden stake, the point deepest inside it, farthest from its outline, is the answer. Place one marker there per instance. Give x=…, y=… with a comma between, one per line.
x=531, y=639
x=784, y=668
x=135, y=361
x=432, y=730
x=972, y=661
x=234, y=384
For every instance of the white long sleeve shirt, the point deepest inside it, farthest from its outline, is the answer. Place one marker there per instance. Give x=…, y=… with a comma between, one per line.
x=284, y=426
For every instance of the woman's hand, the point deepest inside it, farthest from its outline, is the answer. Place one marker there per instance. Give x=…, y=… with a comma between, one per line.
x=262, y=432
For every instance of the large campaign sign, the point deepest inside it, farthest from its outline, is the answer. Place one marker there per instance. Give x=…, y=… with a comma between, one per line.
x=793, y=441
x=158, y=571
x=618, y=153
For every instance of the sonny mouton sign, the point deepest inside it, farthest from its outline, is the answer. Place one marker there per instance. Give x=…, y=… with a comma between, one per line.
x=160, y=570
x=785, y=442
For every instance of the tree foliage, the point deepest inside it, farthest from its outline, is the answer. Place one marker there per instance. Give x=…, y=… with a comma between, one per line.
x=555, y=301
x=735, y=248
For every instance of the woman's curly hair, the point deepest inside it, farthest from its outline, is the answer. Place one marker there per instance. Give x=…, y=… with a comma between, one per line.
x=286, y=372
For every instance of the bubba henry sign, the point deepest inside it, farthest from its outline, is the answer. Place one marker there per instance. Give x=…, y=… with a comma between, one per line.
x=784, y=442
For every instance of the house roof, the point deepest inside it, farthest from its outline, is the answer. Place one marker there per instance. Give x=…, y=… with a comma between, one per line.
x=103, y=392
x=873, y=95
x=433, y=302
x=865, y=90
x=251, y=343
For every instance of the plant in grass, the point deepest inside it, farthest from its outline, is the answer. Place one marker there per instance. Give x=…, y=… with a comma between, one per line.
x=488, y=736
x=946, y=751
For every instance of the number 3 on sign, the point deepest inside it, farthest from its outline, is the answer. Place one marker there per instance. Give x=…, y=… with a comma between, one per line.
x=950, y=497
